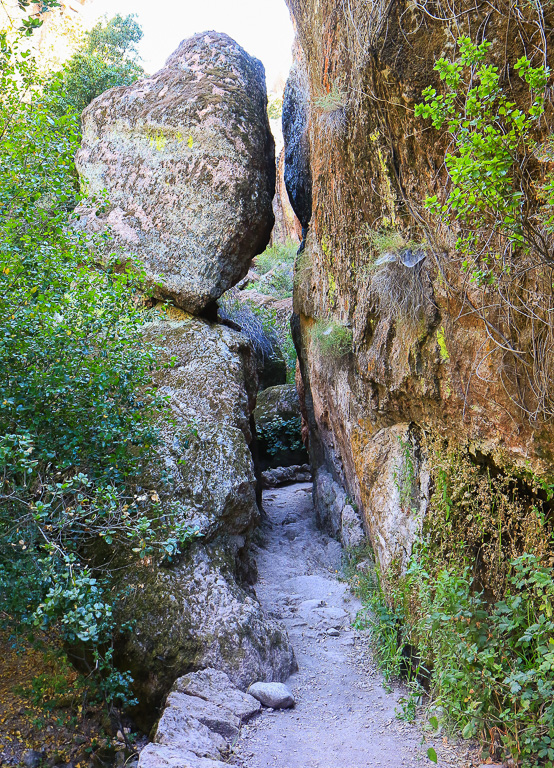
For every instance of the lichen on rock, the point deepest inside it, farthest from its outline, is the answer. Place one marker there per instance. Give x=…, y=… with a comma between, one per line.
x=199, y=609
x=187, y=159
x=423, y=365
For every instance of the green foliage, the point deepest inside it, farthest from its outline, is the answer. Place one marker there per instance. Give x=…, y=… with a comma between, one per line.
x=70, y=353
x=500, y=201
x=473, y=615
x=274, y=256
x=398, y=285
x=331, y=339
x=488, y=516
x=386, y=240
x=267, y=328
x=493, y=145
x=275, y=265
x=335, y=99
x=107, y=58
x=331, y=107
x=281, y=435
x=31, y=21
x=493, y=665
x=275, y=107
x=76, y=404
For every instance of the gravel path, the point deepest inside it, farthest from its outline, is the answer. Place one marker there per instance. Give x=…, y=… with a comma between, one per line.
x=343, y=717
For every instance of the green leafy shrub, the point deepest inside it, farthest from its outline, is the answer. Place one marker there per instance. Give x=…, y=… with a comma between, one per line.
x=491, y=135
x=281, y=435
x=275, y=267
x=500, y=202
x=76, y=404
x=472, y=618
x=331, y=339
x=107, y=58
x=492, y=665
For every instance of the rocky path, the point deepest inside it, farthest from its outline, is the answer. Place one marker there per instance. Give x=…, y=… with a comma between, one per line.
x=343, y=718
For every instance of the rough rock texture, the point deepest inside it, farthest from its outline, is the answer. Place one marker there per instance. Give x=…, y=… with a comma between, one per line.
x=275, y=695
x=187, y=159
x=200, y=610
x=202, y=716
x=373, y=412
x=297, y=473
x=214, y=686
x=297, y=173
x=278, y=426
x=286, y=227
x=351, y=532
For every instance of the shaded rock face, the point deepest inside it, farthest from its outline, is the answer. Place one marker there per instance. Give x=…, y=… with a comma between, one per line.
x=200, y=610
x=297, y=172
x=188, y=161
x=287, y=227
x=376, y=409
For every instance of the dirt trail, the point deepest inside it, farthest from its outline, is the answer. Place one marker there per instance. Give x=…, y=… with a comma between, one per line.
x=343, y=717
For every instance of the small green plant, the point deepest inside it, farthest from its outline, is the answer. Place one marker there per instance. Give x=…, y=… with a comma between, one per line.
x=336, y=98
x=398, y=284
x=276, y=282
x=275, y=106
x=386, y=240
x=275, y=256
x=473, y=614
x=281, y=435
x=331, y=339
x=331, y=107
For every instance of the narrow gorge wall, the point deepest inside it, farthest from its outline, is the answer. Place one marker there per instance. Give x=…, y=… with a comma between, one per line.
x=185, y=159
x=376, y=405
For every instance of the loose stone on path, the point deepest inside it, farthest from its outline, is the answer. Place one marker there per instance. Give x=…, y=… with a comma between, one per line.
x=343, y=717
x=275, y=695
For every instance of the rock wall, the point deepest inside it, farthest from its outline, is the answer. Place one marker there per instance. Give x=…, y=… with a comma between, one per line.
x=360, y=160
x=200, y=610
x=187, y=159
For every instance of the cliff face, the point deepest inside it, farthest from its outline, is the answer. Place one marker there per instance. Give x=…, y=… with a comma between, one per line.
x=377, y=403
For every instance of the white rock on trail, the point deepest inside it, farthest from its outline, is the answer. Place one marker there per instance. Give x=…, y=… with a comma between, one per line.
x=275, y=695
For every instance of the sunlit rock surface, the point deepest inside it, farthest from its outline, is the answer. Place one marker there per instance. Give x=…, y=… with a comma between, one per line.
x=187, y=159
x=374, y=411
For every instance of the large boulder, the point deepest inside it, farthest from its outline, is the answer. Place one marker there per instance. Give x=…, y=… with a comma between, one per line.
x=200, y=610
x=297, y=171
x=188, y=162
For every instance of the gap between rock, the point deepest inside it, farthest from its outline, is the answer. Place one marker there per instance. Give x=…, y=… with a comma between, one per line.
x=343, y=716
